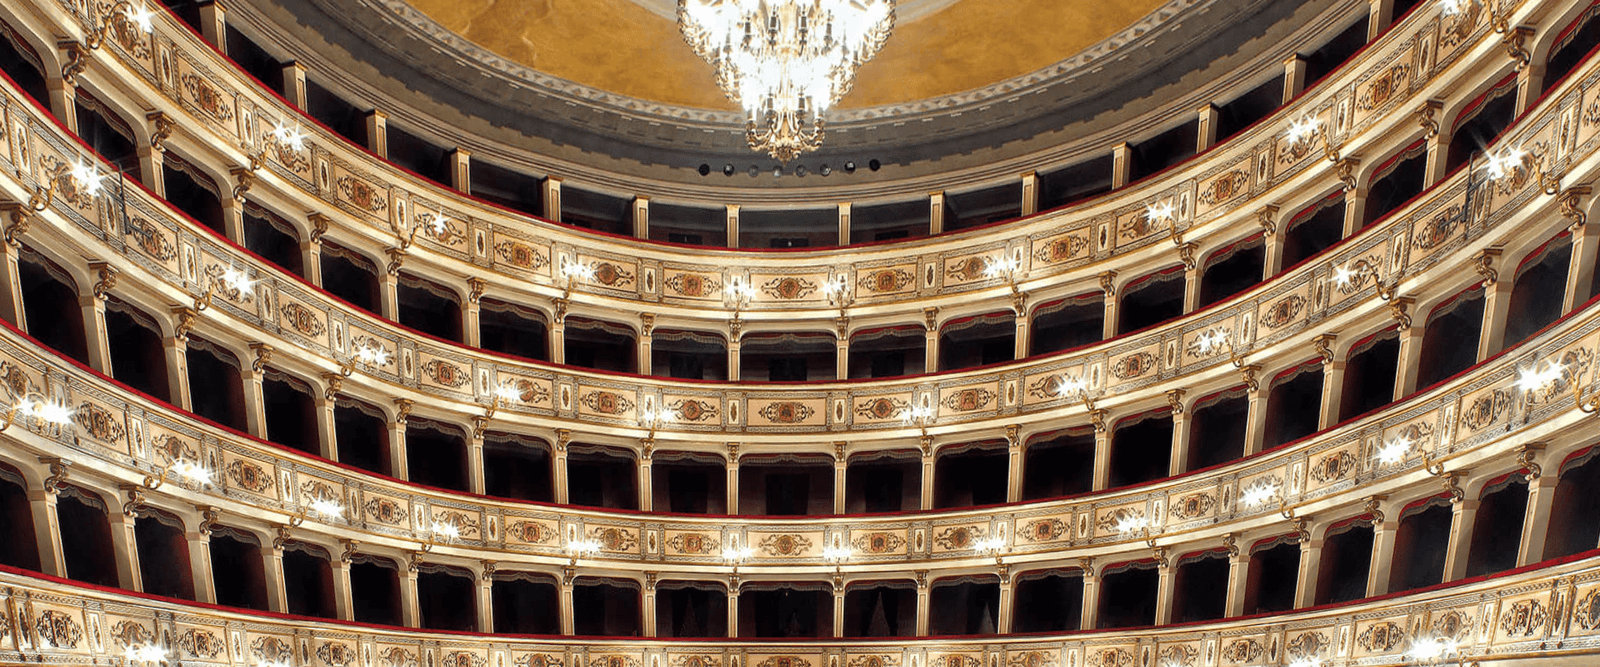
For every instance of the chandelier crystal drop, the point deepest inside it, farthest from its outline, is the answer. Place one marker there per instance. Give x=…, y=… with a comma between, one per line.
x=785, y=61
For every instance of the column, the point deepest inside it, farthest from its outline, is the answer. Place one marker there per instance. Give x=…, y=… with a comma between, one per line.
x=1014, y=464
x=1438, y=150
x=1020, y=348
x=294, y=84
x=1007, y=590
x=1121, y=165
x=923, y=619
x=650, y=605
x=552, y=198
x=1536, y=524
x=205, y=588
x=411, y=610
x=343, y=596
x=472, y=314
x=732, y=500
x=47, y=532
x=311, y=249
x=841, y=469
x=1410, y=362
x=558, y=336
x=11, y=307
x=178, y=372
x=1382, y=555
x=734, y=347
x=1208, y=120
x=1529, y=82
x=647, y=330
x=646, y=493
x=1461, y=524
x=936, y=213
x=63, y=100
x=475, y=481
x=1030, y=193
x=1294, y=77
x=733, y=225
x=389, y=296
x=255, y=404
x=641, y=217
x=1191, y=288
x=328, y=428
x=1179, y=457
x=214, y=25
x=1580, y=272
x=1102, y=459
x=558, y=463
x=733, y=607
x=461, y=170
x=152, y=167
x=1379, y=16
x=565, y=605
x=1496, y=307
x=1355, y=210
x=1108, y=323
x=1255, y=432
x=841, y=352
x=1166, y=590
x=94, y=332
x=1332, y=392
x=377, y=125
x=838, y=610
x=1238, y=583
x=927, y=477
x=930, y=356
x=1274, y=254
x=1089, y=614
x=272, y=568
x=233, y=216
x=398, y=468
x=844, y=223
x=1305, y=591
x=486, y=604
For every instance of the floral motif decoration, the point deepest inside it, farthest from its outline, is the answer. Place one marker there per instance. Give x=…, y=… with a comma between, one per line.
x=969, y=269
x=1308, y=645
x=201, y=643
x=1133, y=365
x=1523, y=618
x=125, y=32
x=1439, y=229
x=1383, y=88
x=788, y=288
x=521, y=255
x=787, y=545
x=1047, y=387
x=386, y=511
x=694, y=543
x=445, y=373
x=300, y=318
x=362, y=194
x=465, y=524
x=57, y=629
x=1099, y=657
x=606, y=402
x=1333, y=467
x=529, y=392
x=784, y=661
x=967, y=400
x=1228, y=186
x=694, y=660
x=98, y=422
x=1587, y=613
x=1486, y=409
x=958, y=537
x=147, y=237
x=1110, y=520
x=540, y=660
x=614, y=661
x=873, y=661
x=15, y=380
x=611, y=275
x=395, y=656
x=1283, y=311
x=1182, y=655
x=786, y=412
x=1243, y=650
x=336, y=655
x=877, y=543
x=614, y=539
x=884, y=281
x=129, y=633
x=206, y=97
x=1193, y=506
x=954, y=660
x=883, y=407
x=692, y=410
x=1380, y=637
x=1452, y=624
x=249, y=476
x=271, y=649
x=694, y=285
x=1044, y=530
x=172, y=447
x=462, y=659
x=1060, y=250
x=531, y=532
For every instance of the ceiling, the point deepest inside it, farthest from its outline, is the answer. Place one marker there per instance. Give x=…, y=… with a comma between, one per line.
x=633, y=47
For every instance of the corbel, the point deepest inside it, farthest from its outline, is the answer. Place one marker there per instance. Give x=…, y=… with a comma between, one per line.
x=1345, y=169
x=488, y=570
x=209, y=518
x=21, y=217
x=1086, y=564
x=1515, y=42
x=1108, y=283
x=1175, y=400
x=60, y=470
x=164, y=128
x=414, y=562
x=335, y=383
x=1571, y=208
x=475, y=287
x=187, y=319
x=135, y=505
x=263, y=356
x=107, y=275
x=1526, y=453
x=319, y=227
x=1397, y=309
x=282, y=536
x=402, y=407
x=397, y=258
x=1427, y=117
x=1231, y=543
x=1247, y=374
x=1267, y=217
x=1324, y=345
x=77, y=60
x=244, y=179
x=930, y=318
x=1483, y=263
x=647, y=324
x=349, y=554
x=1372, y=508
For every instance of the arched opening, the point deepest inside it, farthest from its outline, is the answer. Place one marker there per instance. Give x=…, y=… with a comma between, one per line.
x=1217, y=427
x=971, y=474
x=600, y=476
x=689, y=483
x=787, y=357
x=1067, y=323
x=977, y=341
x=1048, y=601
x=791, y=610
x=1575, y=42
x=1369, y=374
x=290, y=406
x=216, y=389
x=691, y=609
x=1200, y=587
x=1538, y=290
x=604, y=346
x=1346, y=558
x=375, y=589
x=107, y=133
x=887, y=352
x=1233, y=269
x=237, y=572
x=1450, y=340
x=1502, y=507
x=362, y=433
x=138, y=357
x=606, y=607
x=86, y=537
x=194, y=192
x=428, y=307
x=447, y=598
x=50, y=303
x=308, y=580
x=880, y=609
x=436, y=454
x=1312, y=230
x=273, y=238
x=18, y=544
x=883, y=481
x=1128, y=595
x=20, y=61
x=1420, y=545
x=786, y=485
x=1141, y=448
x=508, y=328
x=1482, y=121
x=351, y=276
x=1396, y=181
x=517, y=466
x=526, y=603
x=1151, y=300
x=1572, y=510
x=1294, y=404
x=1058, y=464
x=163, y=554
x=689, y=355
x=1274, y=576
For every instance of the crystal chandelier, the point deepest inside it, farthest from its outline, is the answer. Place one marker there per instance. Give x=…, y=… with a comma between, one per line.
x=785, y=61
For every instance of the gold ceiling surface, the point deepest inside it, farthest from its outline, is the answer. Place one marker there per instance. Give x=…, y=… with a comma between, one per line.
x=621, y=47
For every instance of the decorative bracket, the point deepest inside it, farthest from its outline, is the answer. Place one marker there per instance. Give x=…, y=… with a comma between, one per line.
x=1345, y=169
x=397, y=258
x=1267, y=217
x=1097, y=416
x=1324, y=345
x=164, y=127
x=107, y=275
x=263, y=356
x=349, y=553
x=187, y=319
x=1247, y=373
x=475, y=287
x=283, y=537
x=1571, y=207
x=1515, y=42
x=244, y=180
x=488, y=570
x=1427, y=116
x=1372, y=508
x=1483, y=263
x=1108, y=283
x=1397, y=308
x=136, y=503
x=930, y=318
x=335, y=383
x=402, y=410
x=77, y=60
x=209, y=518
x=1231, y=543
x=319, y=227
x=1526, y=453
x=21, y=217
x=1175, y=400
x=60, y=470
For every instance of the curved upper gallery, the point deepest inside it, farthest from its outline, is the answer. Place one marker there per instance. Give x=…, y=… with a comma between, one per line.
x=1064, y=255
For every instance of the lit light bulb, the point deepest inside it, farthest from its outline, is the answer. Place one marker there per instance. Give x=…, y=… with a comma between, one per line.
x=917, y=414
x=1538, y=377
x=237, y=280
x=735, y=554
x=1303, y=130
x=372, y=355
x=289, y=136
x=1306, y=662
x=1394, y=451
x=990, y=544
x=1259, y=493
x=1211, y=341
x=507, y=393
x=836, y=287
x=1161, y=212
x=192, y=472
x=447, y=529
x=1132, y=524
x=583, y=547
x=1454, y=7
x=998, y=267
x=140, y=15
x=836, y=554
x=577, y=271
x=53, y=413
x=87, y=177
x=1072, y=386
x=1505, y=163
x=147, y=653
x=655, y=417
x=327, y=508
x=739, y=290
x=1342, y=275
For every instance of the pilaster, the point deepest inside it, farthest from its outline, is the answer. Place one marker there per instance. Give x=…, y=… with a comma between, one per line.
x=343, y=594
x=272, y=567
x=1305, y=591
x=294, y=84
x=205, y=585
x=178, y=372
x=1536, y=524
x=1410, y=361
x=1383, y=537
x=1030, y=193
x=378, y=133
x=1464, y=517
x=461, y=170
x=94, y=332
x=47, y=532
x=641, y=217
x=411, y=608
x=1208, y=119
x=1121, y=165
x=255, y=405
x=1238, y=583
x=11, y=306
x=1580, y=272
x=1166, y=590
x=1496, y=308
x=936, y=213
x=214, y=24
x=1294, y=77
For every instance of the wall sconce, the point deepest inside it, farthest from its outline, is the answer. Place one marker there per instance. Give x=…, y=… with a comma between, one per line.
x=1351, y=276
x=236, y=283
x=191, y=474
x=837, y=555
x=145, y=654
x=1310, y=129
x=397, y=254
x=1077, y=388
x=449, y=530
x=581, y=549
x=573, y=271
x=918, y=415
x=735, y=554
x=1394, y=451
x=653, y=419
x=503, y=394
x=1434, y=650
x=1260, y=492
x=281, y=136
x=124, y=13
x=1166, y=213
x=837, y=290
x=49, y=412
x=738, y=293
x=85, y=177
x=993, y=545
x=1512, y=160
x=324, y=509
x=370, y=354
x=1217, y=338
x=1139, y=526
